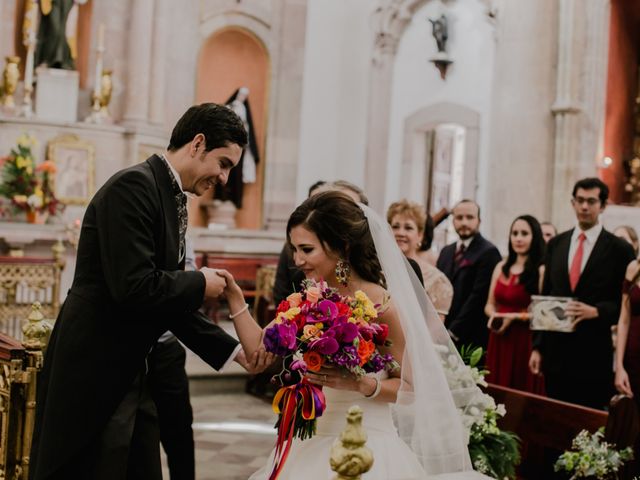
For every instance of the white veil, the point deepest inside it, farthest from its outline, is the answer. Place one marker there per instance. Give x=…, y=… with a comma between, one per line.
x=426, y=412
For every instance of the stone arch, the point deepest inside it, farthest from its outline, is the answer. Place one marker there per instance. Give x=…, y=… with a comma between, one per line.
x=235, y=57
x=428, y=118
x=252, y=21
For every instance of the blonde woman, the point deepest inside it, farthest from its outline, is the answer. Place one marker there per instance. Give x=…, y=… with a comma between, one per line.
x=407, y=220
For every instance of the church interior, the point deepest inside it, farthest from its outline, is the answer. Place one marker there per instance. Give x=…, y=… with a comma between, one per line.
x=502, y=104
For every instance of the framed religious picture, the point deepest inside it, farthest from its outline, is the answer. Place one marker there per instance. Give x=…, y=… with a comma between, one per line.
x=548, y=313
x=75, y=170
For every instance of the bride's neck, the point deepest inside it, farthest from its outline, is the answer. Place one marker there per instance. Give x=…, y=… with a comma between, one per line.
x=354, y=284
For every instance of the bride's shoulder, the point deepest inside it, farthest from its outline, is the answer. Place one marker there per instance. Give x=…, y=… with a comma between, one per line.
x=376, y=293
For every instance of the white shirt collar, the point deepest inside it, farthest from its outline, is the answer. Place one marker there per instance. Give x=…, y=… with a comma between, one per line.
x=466, y=242
x=173, y=171
x=591, y=235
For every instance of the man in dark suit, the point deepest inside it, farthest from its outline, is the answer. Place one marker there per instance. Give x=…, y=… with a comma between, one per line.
x=587, y=263
x=468, y=264
x=94, y=416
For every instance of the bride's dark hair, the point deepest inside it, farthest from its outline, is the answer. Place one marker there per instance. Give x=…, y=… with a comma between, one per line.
x=340, y=224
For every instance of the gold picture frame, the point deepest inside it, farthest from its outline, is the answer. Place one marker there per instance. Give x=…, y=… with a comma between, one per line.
x=75, y=163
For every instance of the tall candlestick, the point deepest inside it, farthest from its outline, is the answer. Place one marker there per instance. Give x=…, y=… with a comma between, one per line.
x=101, y=36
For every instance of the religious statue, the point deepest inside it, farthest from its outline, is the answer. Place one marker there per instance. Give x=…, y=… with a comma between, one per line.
x=439, y=32
x=52, y=48
x=246, y=171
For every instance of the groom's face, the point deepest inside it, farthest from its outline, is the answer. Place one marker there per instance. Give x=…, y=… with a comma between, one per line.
x=208, y=168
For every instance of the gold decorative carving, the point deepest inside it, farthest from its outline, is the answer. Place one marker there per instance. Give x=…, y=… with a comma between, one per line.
x=350, y=458
x=36, y=329
x=10, y=77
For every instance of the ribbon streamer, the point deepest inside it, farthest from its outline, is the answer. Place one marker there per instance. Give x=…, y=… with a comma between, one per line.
x=302, y=402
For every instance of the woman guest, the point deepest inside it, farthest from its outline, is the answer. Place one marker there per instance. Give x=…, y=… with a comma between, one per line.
x=408, y=221
x=627, y=378
x=514, y=280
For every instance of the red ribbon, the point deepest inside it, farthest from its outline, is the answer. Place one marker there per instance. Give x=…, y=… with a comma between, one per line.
x=285, y=403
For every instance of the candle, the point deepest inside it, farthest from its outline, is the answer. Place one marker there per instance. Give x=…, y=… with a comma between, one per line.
x=101, y=37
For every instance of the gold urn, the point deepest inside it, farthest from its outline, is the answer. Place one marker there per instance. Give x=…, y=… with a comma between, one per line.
x=106, y=88
x=10, y=77
x=350, y=458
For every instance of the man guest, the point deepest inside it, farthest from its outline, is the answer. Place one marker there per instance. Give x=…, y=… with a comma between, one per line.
x=95, y=418
x=469, y=264
x=587, y=263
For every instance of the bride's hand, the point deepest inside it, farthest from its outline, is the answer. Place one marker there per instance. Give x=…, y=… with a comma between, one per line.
x=333, y=377
x=232, y=290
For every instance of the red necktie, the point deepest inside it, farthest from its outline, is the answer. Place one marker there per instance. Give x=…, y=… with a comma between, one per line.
x=457, y=257
x=576, y=264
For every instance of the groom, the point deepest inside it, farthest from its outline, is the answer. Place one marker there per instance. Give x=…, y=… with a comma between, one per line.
x=94, y=417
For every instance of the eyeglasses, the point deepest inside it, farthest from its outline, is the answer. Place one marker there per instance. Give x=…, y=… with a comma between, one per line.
x=589, y=201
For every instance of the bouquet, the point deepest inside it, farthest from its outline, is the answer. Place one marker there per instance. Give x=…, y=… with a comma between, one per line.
x=28, y=187
x=317, y=327
x=592, y=457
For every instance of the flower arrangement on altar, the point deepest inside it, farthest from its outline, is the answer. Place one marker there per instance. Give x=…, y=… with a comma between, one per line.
x=592, y=457
x=28, y=186
x=493, y=452
x=317, y=327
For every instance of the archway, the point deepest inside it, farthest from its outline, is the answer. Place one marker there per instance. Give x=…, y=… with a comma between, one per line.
x=229, y=59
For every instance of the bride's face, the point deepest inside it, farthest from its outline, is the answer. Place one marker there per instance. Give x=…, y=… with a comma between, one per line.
x=310, y=256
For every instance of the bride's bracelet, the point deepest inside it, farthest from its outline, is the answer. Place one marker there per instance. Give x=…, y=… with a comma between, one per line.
x=242, y=310
x=376, y=391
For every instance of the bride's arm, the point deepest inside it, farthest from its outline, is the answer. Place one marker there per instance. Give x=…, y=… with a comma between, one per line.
x=249, y=332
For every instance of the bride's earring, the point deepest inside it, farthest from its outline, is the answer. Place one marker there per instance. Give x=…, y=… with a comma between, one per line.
x=343, y=272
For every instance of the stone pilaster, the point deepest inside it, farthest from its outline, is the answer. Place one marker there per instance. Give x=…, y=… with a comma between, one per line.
x=136, y=108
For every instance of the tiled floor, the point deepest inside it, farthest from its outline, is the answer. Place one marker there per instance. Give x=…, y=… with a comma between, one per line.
x=221, y=452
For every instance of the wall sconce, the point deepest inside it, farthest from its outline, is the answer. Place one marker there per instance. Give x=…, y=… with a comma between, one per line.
x=439, y=31
x=605, y=162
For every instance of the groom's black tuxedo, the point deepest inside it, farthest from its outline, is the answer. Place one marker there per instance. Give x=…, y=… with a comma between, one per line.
x=128, y=289
x=578, y=366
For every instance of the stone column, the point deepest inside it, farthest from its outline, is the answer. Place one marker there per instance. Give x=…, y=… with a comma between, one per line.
x=578, y=109
x=138, y=63
x=158, y=64
x=390, y=20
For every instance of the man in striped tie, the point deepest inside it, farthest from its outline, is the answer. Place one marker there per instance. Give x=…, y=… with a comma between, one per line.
x=588, y=264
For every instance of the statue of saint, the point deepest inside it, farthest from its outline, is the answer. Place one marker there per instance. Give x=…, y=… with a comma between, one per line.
x=439, y=32
x=52, y=48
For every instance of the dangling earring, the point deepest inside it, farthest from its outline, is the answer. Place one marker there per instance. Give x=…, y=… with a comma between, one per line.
x=343, y=272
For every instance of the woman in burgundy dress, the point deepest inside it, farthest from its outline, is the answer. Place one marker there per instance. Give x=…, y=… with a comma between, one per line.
x=514, y=280
x=628, y=338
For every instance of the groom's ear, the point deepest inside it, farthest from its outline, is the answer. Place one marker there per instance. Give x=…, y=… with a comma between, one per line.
x=197, y=144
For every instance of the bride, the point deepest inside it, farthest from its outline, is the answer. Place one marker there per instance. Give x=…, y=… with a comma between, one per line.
x=413, y=426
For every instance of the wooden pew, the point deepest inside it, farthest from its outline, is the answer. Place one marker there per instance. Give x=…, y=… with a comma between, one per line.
x=547, y=427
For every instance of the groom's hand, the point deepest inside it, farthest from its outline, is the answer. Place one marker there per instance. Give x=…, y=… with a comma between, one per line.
x=215, y=284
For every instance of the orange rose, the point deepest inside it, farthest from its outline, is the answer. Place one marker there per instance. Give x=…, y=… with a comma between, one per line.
x=313, y=360
x=365, y=350
x=313, y=294
x=294, y=299
x=310, y=331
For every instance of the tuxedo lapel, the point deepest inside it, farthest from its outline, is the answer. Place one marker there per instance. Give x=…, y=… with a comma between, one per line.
x=563, y=254
x=169, y=208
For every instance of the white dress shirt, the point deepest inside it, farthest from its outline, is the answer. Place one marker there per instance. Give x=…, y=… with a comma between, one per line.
x=591, y=236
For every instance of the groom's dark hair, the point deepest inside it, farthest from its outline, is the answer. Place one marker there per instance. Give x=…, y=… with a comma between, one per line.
x=220, y=126
x=341, y=226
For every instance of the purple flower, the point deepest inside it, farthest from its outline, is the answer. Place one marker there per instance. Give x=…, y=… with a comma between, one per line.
x=328, y=308
x=325, y=345
x=344, y=332
x=299, y=366
x=280, y=338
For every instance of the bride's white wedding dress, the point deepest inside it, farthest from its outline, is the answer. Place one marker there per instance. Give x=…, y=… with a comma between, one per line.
x=309, y=459
x=421, y=435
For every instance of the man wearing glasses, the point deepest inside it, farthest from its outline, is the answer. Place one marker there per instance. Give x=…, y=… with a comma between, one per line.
x=588, y=264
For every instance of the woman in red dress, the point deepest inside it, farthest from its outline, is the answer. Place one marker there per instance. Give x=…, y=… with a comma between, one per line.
x=628, y=339
x=514, y=280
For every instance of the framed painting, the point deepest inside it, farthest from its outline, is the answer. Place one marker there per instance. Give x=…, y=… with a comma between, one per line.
x=75, y=161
